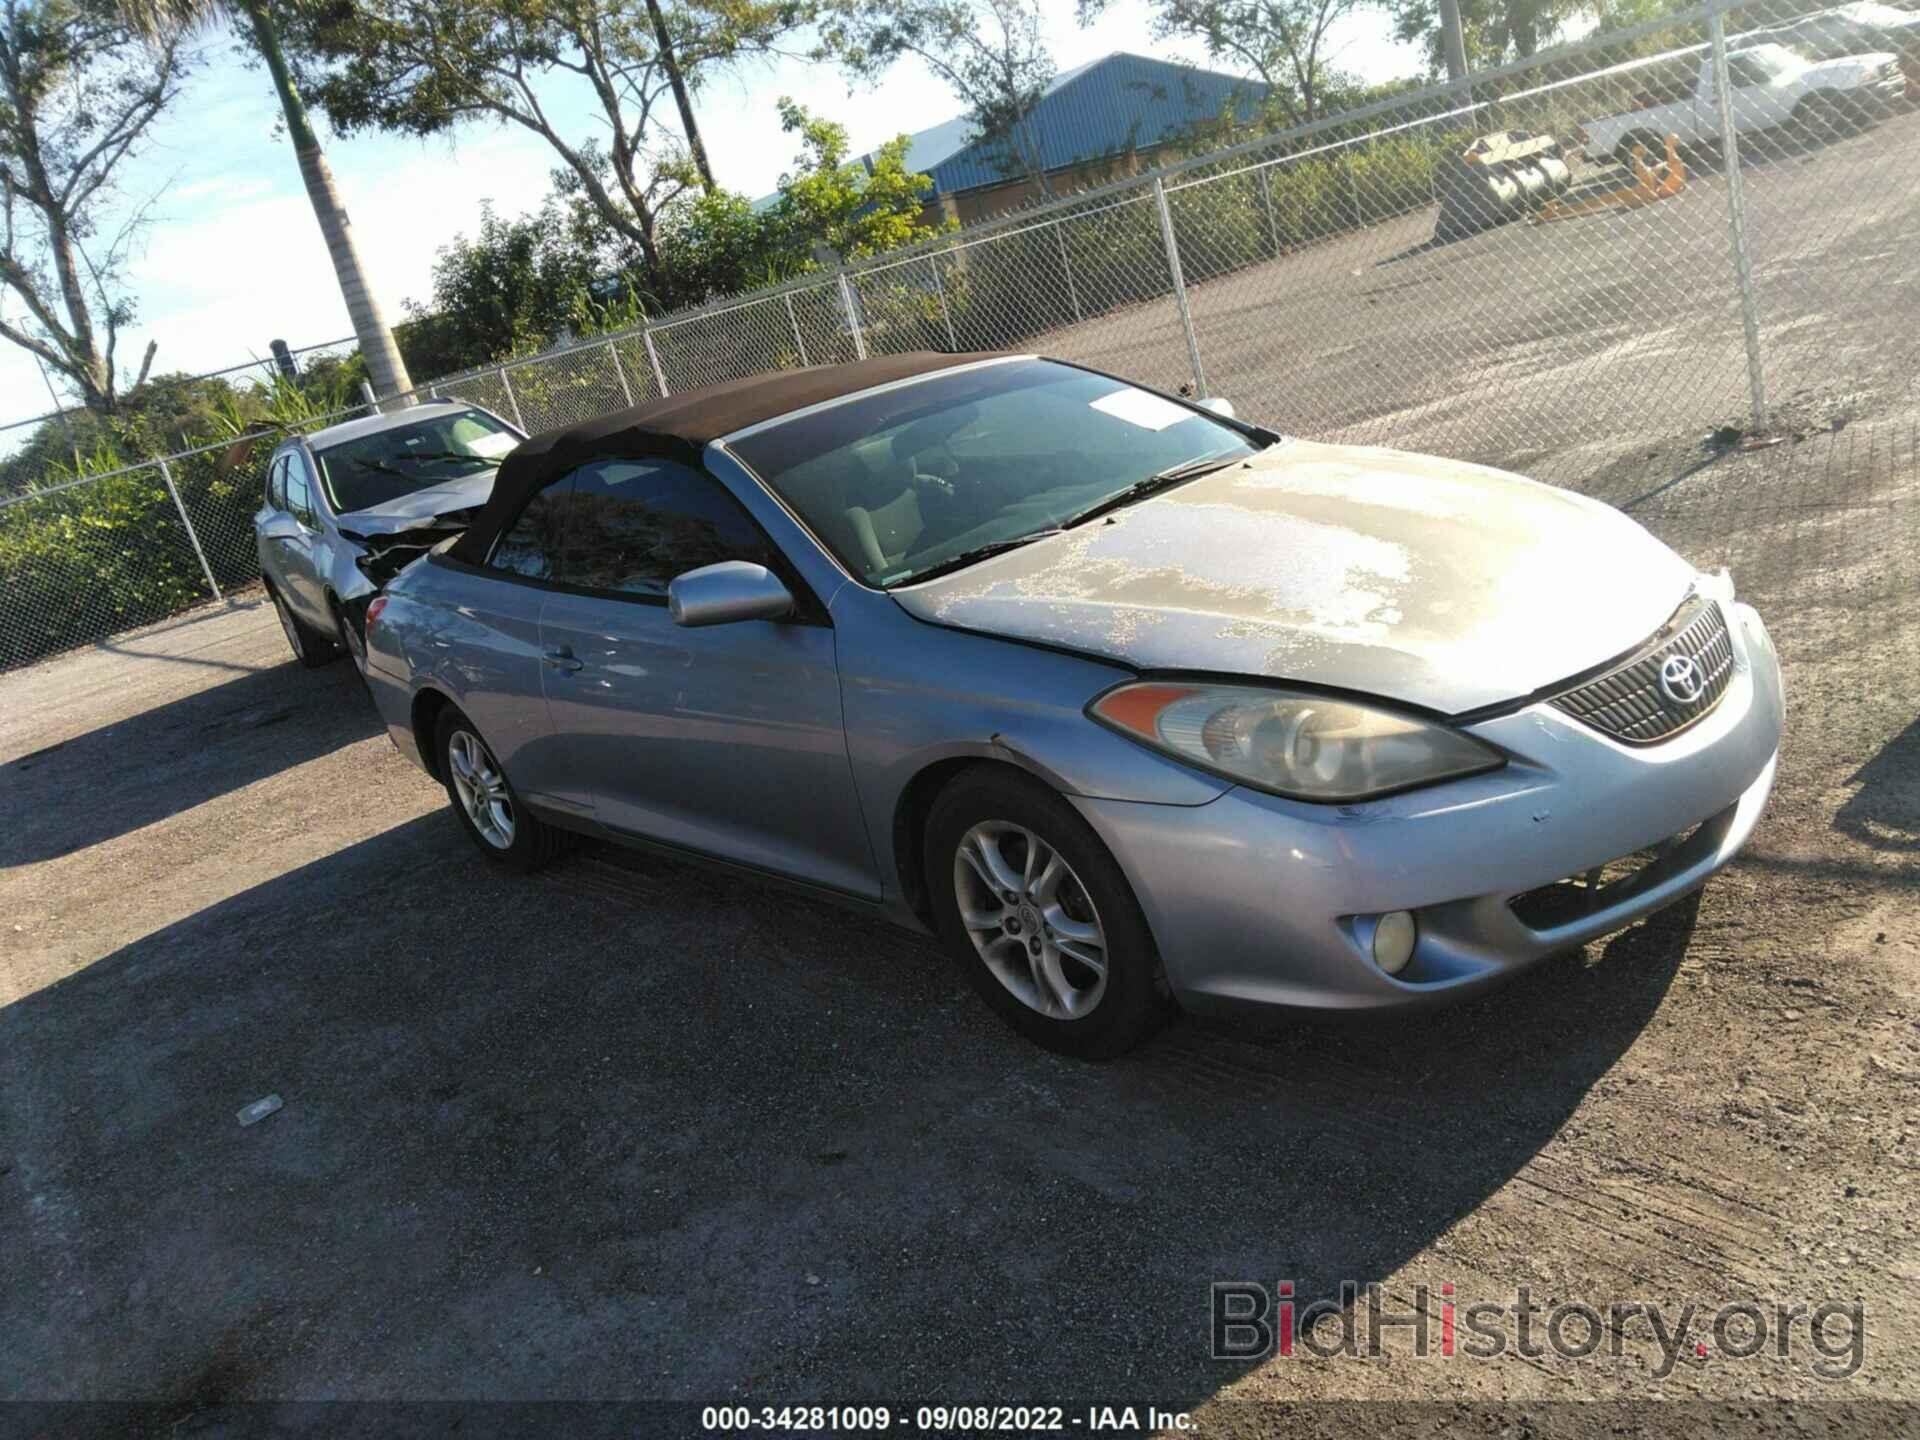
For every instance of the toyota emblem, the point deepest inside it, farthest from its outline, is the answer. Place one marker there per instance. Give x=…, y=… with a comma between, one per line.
x=1681, y=680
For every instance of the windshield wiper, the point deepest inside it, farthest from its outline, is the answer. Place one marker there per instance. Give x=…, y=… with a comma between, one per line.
x=1162, y=480
x=973, y=556
x=445, y=455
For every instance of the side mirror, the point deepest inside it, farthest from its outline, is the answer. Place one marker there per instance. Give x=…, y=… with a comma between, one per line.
x=722, y=594
x=1221, y=406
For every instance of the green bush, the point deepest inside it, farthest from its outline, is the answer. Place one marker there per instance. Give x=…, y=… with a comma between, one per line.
x=81, y=563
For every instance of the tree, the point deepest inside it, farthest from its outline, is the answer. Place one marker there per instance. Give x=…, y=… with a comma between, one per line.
x=519, y=284
x=1496, y=31
x=990, y=53
x=426, y=67
x=78, y=91
x=1285, y=43
x=262, y=28
x=852, y=209
x=512, y=288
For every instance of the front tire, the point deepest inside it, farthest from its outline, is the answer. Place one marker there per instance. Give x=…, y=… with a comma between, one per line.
x=309, y=646
x=1040, y=918
x=484, y=802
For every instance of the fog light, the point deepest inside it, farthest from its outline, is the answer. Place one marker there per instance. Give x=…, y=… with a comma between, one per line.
x=1394, y=935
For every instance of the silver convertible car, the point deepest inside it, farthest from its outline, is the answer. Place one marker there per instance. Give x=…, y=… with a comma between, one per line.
x=347, y=507
x=1130, y=702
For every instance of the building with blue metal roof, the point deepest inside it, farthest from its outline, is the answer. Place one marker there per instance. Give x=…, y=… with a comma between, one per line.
x=1115, y=105
x=1094, y=121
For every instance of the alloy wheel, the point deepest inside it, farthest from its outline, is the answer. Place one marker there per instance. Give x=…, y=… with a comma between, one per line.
x=1030, y=919
x=481, y=788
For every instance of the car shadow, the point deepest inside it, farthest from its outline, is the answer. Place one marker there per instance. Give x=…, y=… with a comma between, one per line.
x=164, y=761
x=1885, y=811
x=632, y=1130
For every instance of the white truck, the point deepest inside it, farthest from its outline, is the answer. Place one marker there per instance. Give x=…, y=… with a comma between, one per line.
x=1771, y=86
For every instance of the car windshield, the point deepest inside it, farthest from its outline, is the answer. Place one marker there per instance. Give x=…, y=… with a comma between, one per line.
x=373, y=469
x=1763, y=63
x=918, y=478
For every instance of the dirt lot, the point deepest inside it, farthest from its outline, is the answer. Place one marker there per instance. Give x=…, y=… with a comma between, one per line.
x=632, y=1130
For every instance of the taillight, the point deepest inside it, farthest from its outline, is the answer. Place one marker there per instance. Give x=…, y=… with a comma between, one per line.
x=378, y=603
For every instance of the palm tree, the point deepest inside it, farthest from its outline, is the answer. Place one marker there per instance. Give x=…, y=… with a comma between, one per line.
x=384, y=365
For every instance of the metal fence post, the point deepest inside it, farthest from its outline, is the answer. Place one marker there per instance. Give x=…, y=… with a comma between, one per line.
x=1179, y=286
x=192, y=535
x=366, y=394
x=1066, y=269
x=853, y=317
x=1737, y=218
x=798, y=339
x=1266, y=200
x=939, y=289
x=621, y=371
x=513, y=401
x=653, y=355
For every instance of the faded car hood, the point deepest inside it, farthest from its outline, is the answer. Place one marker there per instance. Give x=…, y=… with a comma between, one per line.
x=411, y=512
x=1427, y=581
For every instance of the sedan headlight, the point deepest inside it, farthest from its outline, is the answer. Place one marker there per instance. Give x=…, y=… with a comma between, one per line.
x=1306, y=747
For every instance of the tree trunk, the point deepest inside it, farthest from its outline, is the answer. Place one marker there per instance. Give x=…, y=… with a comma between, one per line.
x=384, y=365
x=695, y=146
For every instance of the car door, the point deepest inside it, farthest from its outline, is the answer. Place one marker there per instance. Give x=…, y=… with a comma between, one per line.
x=491, y=641
x=271, y=521
x=726, y=739
x=294, y=540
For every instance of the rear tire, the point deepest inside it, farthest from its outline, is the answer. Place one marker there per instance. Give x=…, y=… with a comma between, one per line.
x=485, y=803
x=1828, y=115
x=1039, y=917
x=309, y=646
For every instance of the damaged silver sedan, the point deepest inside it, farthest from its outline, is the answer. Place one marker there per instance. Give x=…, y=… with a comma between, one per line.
x=347, y=507
x=1132, y=703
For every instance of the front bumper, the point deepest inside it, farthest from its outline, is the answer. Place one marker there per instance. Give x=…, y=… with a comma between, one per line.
x=1259, y=901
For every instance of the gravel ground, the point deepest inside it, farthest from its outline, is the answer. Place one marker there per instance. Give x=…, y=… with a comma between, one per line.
x=629, y=1129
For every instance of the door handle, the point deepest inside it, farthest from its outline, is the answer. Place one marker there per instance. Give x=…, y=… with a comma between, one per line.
x=562, y=659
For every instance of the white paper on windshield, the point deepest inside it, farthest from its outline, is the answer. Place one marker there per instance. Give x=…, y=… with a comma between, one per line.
x=494, y=442
x=1137, y=407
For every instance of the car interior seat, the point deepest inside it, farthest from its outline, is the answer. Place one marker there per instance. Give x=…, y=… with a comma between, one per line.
x=883, y=507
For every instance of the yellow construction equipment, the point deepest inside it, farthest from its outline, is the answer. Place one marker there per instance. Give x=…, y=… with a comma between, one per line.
x=1649, y=185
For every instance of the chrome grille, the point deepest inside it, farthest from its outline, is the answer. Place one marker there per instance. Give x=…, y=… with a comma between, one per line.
x=1628, y=702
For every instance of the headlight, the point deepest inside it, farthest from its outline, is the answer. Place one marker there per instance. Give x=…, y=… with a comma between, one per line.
x=1306, y=747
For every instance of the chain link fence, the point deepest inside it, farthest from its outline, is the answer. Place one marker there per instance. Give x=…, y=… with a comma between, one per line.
x=1717, y=334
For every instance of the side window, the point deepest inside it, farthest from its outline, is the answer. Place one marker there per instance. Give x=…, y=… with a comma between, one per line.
x=635, y=524
x=299, y=500
x=1744, y=70
x=531, y=546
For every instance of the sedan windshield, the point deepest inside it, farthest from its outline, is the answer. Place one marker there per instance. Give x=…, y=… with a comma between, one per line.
x=373, y=469
x=936, y=473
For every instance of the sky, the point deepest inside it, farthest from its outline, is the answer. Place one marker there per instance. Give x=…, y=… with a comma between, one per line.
x=233, y=258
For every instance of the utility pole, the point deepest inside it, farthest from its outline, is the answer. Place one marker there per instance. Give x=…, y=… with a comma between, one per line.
x=671, y=62
x=1454, y=43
